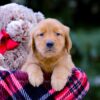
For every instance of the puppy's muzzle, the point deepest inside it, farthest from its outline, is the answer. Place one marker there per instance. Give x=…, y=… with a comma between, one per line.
x=49, y=44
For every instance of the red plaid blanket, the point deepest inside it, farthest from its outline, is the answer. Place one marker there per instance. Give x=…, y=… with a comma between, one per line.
x=14, y=85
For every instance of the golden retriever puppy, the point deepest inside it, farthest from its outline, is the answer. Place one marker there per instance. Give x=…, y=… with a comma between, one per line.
x=50, y=46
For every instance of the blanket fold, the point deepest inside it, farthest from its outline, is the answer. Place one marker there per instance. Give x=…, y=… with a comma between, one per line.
x=14, y=85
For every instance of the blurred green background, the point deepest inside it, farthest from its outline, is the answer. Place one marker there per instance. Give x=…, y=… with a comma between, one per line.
x=83, y=17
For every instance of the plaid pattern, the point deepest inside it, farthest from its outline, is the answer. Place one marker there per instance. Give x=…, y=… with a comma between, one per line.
x=14, y=85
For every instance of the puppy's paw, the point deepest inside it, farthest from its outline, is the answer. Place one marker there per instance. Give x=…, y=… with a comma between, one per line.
x=36, y=78
x=58, y=83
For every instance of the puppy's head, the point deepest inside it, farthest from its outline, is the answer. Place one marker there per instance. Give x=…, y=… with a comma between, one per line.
x=50, y=38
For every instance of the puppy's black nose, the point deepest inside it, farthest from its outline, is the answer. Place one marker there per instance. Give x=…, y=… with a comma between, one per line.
x=49, y=44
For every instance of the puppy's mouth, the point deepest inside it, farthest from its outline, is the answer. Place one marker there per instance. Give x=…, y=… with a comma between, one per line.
x=49, y=53
x=50, y=50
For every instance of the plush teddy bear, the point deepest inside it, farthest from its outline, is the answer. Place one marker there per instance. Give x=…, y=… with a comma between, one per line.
x=15, y=23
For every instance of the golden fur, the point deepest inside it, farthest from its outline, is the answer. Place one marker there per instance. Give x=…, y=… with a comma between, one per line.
x=56, y=59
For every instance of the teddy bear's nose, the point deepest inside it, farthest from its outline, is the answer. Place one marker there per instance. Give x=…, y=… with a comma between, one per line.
x=49, y=44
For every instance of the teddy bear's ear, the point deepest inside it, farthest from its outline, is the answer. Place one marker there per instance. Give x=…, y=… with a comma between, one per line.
x=68, y=42
x=39, y=16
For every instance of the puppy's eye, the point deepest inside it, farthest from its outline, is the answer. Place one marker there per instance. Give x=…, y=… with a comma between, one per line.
x=41, y=34
x=58, y=34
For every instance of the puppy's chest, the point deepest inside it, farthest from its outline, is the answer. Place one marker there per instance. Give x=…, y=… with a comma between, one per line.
x=47, y=66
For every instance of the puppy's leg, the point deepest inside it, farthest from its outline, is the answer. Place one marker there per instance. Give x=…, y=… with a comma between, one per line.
x=61, y=72
x=59, y=77
x=34, y=73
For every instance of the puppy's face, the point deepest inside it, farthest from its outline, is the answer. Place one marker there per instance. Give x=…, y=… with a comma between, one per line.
x=50, y=37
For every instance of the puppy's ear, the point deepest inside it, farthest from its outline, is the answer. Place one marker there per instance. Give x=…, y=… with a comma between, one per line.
x=31, y=43
x=68, y=42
